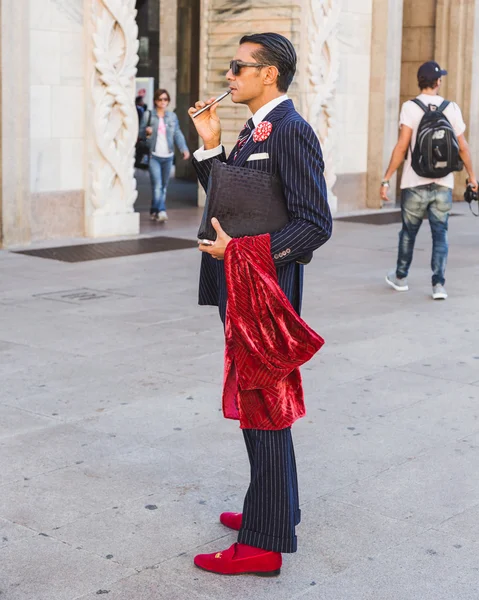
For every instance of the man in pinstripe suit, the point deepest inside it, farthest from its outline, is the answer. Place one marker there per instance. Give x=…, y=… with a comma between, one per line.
x=259, y=76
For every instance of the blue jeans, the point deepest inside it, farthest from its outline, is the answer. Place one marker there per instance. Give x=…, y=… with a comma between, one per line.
x=160, y=171
x=432, y=200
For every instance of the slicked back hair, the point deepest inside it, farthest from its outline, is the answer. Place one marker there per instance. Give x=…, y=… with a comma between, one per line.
x=278, y=51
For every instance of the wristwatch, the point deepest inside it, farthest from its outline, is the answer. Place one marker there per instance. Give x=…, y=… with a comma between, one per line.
x=385, y=183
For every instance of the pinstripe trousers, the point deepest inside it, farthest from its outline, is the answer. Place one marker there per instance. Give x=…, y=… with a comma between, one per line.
x=271, y=506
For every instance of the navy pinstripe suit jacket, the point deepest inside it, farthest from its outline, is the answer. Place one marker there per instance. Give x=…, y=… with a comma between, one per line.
x=295, y=155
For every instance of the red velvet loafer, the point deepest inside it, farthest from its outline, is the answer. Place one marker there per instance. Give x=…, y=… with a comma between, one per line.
x=231, y=520
x=240, y=559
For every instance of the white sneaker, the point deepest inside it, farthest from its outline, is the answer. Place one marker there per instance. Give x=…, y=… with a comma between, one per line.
x=439, y=292
x=162, y=216
x=400, y=285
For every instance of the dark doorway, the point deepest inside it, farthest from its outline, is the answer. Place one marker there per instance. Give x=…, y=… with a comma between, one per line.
x=188, y=86
x=182, y=189
x=148, y=20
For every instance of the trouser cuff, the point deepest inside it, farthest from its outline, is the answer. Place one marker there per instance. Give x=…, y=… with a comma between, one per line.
x=267, y=542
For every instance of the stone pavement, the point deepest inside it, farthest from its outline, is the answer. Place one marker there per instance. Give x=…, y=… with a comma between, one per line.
x=116, y=460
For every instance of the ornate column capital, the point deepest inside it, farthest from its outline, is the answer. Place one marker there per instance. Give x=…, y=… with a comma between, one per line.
x=112, y=118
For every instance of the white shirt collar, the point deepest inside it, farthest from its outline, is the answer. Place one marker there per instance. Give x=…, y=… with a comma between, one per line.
x=260, y=114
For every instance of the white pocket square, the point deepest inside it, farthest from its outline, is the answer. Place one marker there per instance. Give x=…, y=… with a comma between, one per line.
x=259, y=156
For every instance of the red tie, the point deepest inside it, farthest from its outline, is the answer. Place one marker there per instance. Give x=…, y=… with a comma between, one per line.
x=244, y=136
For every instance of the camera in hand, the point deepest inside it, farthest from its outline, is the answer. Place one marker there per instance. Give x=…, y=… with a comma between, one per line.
x=470, y=196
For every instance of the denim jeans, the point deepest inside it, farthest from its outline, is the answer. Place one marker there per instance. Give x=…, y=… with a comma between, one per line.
x=160, y=170
x=432, y=200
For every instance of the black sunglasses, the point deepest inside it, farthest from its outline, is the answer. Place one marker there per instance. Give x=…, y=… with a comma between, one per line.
x=237, y=65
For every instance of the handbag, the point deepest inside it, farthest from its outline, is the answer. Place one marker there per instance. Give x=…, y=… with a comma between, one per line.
x=245, y=202
x=142, y=150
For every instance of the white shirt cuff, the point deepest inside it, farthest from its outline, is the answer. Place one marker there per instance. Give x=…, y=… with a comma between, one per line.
x=202, y=154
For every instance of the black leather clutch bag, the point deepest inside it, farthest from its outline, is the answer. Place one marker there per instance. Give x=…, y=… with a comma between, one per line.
x=245, y=202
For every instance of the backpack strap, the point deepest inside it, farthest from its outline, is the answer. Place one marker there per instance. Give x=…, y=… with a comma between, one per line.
x=443, y=106
x=149, y=119
x=420, y=104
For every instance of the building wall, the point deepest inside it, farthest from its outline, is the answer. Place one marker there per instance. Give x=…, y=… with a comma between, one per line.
x=418, y=46
x=224, y=25
x=352, y=103
x=57, y=124
x=349, y=71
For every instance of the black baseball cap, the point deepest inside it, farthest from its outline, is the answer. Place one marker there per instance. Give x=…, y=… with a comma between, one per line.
x=431, y=70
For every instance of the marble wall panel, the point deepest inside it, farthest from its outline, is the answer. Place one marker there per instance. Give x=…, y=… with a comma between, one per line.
x=40, y=13
x=387, y=31
x=44, y=57
x=40, y=112
x=72, y=154
x=66, y=15
x=57, y=215
x=57, y=108
x=72, y=48
x=353, y=90
x=67, y=106
x=351, y=190
x=15, y=226
x=45, y=158
x=352, y=154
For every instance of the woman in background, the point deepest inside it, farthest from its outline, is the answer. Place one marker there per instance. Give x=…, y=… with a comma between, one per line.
x=162, y=133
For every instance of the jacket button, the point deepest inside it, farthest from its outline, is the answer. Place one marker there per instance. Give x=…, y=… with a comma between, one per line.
x=276, y=256
x=288, y=251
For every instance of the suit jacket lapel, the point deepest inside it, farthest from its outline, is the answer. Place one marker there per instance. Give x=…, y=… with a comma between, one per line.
x=273, y=117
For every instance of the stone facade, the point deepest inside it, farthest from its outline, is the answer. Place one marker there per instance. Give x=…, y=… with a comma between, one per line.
x=68, y=123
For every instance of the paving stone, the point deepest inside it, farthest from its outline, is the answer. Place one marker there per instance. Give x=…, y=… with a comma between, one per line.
x=15, y=421
x=380, y=394
x=425, y=490
x=465, y=524
x=432, y=566
x=462, y=368
x=43, y=568
x=435, y=417
x=152, y=419
x=334, y=536
x=11, y=533
x=116, y=402
x=148, y=585
x=158, y=527
x=61, y=496
x=30, y=454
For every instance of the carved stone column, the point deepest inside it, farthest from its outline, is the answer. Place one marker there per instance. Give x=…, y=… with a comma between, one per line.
x=111, y=118
x=323, y=60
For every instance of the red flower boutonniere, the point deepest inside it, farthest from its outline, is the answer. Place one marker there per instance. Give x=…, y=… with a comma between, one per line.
x=262, y=131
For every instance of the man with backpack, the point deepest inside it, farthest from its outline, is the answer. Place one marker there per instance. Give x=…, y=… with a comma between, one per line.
x=432, y=142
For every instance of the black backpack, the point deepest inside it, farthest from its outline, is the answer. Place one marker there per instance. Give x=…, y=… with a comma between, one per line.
x=142, y=150
x=436, y=153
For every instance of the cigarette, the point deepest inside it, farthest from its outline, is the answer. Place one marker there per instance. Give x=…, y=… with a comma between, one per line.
x=210, y=105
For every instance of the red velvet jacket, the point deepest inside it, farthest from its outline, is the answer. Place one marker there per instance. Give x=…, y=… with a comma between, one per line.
x=266, y=341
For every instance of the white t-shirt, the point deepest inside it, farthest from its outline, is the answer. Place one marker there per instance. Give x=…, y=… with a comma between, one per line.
x=161, y=148
x=411, y=115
